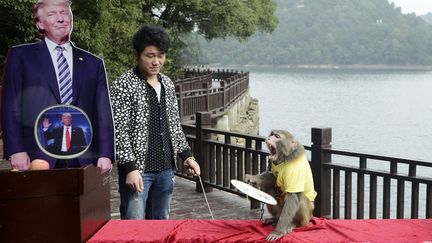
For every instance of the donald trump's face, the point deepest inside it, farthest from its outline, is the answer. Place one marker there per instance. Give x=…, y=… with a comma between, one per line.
x=66, y=119
x=55, y=20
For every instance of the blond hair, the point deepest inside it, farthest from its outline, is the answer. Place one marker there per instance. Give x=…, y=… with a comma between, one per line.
x=40, y=4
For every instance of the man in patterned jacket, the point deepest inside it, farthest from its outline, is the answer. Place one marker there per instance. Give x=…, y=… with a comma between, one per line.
x=148, y=132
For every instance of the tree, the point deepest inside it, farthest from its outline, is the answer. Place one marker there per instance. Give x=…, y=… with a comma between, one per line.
x=332, y=32
x=17, y=26
x=105, y=27
x=210, y=18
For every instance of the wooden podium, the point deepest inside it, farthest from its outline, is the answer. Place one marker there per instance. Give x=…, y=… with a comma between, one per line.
x=61, y=205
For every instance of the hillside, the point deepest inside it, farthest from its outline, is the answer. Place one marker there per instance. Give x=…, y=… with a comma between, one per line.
x=427, y=18
x=329, y=32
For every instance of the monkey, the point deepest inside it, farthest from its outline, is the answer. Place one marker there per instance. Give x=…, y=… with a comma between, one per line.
x=290, y=181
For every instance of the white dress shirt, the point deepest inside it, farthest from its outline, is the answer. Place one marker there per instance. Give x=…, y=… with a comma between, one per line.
x=67, y=52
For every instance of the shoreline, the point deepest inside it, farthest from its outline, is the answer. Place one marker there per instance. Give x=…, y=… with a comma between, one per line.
x=342, y=67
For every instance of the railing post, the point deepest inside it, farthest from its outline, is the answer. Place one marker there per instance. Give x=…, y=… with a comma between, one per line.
x=201, y=148
x=206, y=87
x=179, y=91
x=222, y=85
x=254, y=204
x=321, y=139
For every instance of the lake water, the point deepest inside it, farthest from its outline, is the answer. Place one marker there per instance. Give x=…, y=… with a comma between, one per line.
x=372, y=111
x=384, y=112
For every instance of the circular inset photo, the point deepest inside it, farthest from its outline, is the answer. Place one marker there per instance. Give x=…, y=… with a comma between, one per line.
x=63, y=131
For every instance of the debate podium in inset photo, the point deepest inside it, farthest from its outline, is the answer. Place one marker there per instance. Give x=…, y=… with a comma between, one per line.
x=62, y=205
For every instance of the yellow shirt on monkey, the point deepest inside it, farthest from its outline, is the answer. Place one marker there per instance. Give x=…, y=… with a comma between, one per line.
x=295, y=176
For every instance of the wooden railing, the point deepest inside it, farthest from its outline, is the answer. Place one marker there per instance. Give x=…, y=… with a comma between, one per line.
x=338, y=175
x=211, y=91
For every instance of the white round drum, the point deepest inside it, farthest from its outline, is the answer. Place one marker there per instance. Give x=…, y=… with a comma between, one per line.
x=253, y=192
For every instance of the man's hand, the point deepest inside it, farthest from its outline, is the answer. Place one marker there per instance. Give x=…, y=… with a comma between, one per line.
x=193, y=166
x=134, y=181
x=104, y=164
x=20, y=161
x=45, y=123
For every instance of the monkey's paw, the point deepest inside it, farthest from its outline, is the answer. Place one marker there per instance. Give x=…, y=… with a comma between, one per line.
x=274, y=235
x=250, y=179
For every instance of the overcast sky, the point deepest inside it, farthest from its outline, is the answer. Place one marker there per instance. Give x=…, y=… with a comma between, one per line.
x=419, y=7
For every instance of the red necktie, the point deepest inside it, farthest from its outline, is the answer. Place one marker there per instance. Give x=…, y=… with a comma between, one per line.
x=68, y=138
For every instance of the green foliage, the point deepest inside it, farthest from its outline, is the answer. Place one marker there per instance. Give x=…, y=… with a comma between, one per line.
x=332, y=32
x=105, y=27
x=210, y=18
x=16, y=25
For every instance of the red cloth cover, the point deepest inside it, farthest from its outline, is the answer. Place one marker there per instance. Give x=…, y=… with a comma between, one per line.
x=318, y=230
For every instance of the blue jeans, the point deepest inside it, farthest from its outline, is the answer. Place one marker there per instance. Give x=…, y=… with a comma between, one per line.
x=157, y=194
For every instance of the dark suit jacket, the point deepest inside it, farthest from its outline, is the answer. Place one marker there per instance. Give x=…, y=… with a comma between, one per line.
x=30, y=86
x=77, y=142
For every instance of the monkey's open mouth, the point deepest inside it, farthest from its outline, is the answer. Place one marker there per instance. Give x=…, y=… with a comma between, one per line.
x=273, y=151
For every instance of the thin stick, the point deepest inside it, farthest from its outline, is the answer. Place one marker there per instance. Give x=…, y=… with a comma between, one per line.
x=205, y=196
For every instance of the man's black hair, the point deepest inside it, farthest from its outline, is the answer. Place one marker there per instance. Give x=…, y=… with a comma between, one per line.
x=151, y=35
